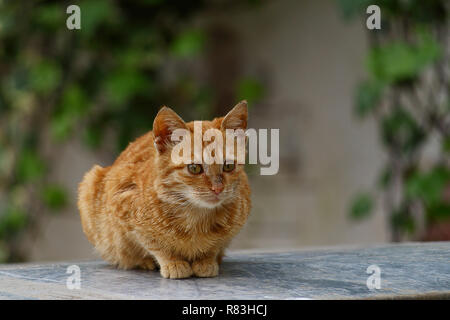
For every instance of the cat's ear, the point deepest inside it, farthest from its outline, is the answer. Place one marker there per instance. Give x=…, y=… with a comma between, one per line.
x=166, y=122
x=236, y=118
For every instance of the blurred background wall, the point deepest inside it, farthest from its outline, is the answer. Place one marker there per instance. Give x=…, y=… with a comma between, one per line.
x=297, y=62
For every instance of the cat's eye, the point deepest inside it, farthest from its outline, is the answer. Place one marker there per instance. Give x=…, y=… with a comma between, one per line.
x=195, y=168
x=228, y=167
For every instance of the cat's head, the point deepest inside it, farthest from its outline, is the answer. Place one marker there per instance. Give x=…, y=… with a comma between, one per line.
x=197, y=184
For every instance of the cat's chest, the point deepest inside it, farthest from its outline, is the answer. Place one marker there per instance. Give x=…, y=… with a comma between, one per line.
x=196, y=240
x=197, y=236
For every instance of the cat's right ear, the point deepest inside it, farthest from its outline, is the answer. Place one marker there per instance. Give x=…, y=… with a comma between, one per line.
x=165, y=123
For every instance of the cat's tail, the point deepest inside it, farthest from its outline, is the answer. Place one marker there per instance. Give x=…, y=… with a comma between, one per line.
x=90, y=191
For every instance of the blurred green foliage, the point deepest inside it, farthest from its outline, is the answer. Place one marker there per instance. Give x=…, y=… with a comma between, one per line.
x=400, y=131
x=111, y=76
x=398, y=62
x=362, y=206
x=54, y=197
x=250, y=89
x=410, y=47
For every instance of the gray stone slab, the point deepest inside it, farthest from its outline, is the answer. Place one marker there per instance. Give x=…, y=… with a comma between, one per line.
x=420, y=270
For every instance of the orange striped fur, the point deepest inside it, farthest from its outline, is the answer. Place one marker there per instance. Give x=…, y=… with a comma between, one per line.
x=146, y=212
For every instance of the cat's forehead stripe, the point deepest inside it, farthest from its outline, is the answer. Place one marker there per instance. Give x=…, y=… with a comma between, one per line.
x=213, y=169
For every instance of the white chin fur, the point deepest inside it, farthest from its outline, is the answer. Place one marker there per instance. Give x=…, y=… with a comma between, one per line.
x=206, y=204
x=210, y=205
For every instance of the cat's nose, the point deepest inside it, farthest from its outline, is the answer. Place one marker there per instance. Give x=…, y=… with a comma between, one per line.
x=217, y=188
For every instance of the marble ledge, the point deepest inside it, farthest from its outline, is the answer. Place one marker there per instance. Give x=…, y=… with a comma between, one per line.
x=409, y=270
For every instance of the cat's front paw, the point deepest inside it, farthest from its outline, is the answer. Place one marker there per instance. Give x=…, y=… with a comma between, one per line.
x=176, y=270
x=147, y=264
x=205, y=269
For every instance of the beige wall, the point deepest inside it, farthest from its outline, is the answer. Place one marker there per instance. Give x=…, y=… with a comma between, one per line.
x=311, y=61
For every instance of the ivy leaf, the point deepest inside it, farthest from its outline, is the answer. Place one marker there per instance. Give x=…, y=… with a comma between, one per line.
x=94, y=13
x=250, y=89
x=188, y=44
x=123, y=84
x=12, y=220
x=367, y=97
x=362, y=206
x=54, y=197
x=401, y=62
x=50, y=16
x=45, y=76
x=74, y=101
x=61, y=126
x=428, y=186
x=30, y=166
x=401, y=130
x=73, y=105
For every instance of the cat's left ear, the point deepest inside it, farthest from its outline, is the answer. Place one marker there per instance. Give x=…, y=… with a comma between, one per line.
x=236, y=118
x=165, y=123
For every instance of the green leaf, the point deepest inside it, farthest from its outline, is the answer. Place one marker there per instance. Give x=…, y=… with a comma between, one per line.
x=431, y=188
x=61, y=126
x=54, y=197
x=401, y=130
x=250, y=89
x=12, y=220
x=131, y=58
x=400, y=62
x=367, y=98
x=188, y=44
x=95, y=13
x=428, y=50
x=122, y=85
x=428, y=186
x=362, y=206
x=30, y=166
x=74, y=101
x=74, y=104
x=45, y=76
x=50, y=16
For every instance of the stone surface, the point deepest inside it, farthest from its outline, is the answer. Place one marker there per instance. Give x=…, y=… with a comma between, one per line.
x=407, y=270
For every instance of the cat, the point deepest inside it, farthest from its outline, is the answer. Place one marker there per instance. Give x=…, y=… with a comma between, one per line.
x=145, y=211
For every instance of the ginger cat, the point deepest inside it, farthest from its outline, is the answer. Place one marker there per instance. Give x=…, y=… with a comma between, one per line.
x=144, y=211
